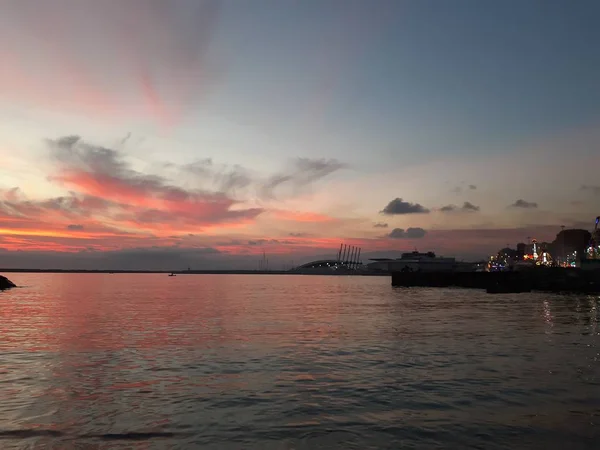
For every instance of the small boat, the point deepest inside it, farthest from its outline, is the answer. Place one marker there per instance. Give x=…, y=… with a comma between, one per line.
x=172, y=274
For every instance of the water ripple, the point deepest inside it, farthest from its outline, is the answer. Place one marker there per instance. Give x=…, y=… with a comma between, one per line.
x=276, y=362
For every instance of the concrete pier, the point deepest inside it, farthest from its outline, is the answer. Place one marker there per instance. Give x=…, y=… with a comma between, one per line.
x=554, y=279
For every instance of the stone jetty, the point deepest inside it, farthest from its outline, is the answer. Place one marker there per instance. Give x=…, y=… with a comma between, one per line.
x=553, y=279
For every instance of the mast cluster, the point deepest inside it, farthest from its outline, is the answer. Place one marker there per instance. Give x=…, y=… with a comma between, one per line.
x=349, y=256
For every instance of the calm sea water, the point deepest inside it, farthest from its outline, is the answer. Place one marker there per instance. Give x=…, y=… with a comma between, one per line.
x=291, y=362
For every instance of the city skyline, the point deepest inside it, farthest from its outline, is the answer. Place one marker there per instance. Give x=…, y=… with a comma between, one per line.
x=213, y=132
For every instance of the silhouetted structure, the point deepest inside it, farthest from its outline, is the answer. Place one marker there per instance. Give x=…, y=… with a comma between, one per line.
x=570, y=241
x=548, y=279
x=521, y=250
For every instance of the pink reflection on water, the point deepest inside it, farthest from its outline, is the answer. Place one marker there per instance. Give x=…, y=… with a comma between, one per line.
x=112, y=346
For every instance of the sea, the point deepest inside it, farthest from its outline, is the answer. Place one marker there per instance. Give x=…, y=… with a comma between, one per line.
x=147, y=361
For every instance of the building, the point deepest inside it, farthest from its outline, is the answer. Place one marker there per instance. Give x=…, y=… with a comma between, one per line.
x=418, y=262
x=521, y=251
x=569, y=243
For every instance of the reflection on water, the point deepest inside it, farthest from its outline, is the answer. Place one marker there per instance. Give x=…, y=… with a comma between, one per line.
x=217, y=362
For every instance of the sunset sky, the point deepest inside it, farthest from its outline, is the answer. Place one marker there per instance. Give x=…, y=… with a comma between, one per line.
x=153, y=134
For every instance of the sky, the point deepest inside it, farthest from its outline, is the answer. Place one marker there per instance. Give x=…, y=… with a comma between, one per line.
x=160, y=135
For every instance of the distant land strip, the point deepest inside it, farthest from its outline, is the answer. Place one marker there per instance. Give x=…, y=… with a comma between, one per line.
x=184, y=272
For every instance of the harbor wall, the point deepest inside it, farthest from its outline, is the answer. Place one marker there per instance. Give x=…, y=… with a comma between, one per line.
x=547, y=279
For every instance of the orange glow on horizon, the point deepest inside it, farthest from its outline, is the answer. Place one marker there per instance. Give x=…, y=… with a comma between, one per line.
x=106, y=213
x=45, y=233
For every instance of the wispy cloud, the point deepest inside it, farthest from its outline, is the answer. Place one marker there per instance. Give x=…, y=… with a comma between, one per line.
x=303, y=173
x=229, y=179
x=297, y=179
x=299, y=234
x=591, y=188
x=462, y=187
x=380, y=225
x=110, y=59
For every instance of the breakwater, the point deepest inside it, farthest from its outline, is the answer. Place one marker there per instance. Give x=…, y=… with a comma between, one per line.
x=553, y=279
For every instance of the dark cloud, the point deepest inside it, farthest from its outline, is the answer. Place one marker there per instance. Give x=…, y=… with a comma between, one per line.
x=410, y=233
x=593, y=189
x=75, y=227
x=415, y=233
x=299, y=234
x=449, y=208
x=304, y=172
x=466, y=207
x=524, y=204
x=397, y=233
x=380, y=225
x=398, y=206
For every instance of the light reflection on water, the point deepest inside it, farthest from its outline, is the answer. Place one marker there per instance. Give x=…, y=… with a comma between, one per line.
x=148, y=361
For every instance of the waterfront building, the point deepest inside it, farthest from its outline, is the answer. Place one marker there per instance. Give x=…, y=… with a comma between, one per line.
x=418, y=262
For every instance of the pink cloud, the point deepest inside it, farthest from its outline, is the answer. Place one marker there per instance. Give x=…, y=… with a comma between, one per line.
x=111, y=205
x=141, y=200
x=109, y=60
